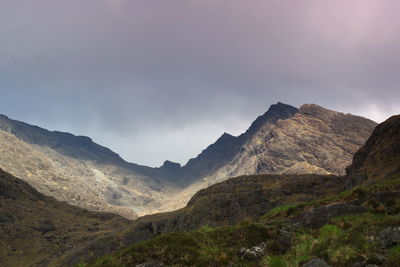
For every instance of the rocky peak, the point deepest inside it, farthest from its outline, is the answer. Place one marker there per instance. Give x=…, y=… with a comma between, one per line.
x=169, y=165
x=274, y=113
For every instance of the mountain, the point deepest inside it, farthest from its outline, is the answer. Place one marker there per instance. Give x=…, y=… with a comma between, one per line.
x=227, y=146
x=78, y=171
x=284, y=140
x=261, y=208
x=280, y=220
x=74, y=169
x=36, y=229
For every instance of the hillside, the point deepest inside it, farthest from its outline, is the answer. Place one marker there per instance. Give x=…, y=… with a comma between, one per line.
x=356, y=227
x=76, y=170
x=36, y=229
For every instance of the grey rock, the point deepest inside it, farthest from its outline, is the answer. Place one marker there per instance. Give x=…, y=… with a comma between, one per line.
x=317, y=217
x=316, y=263
x=255, y=253
x=389, y=237
x=284, y=241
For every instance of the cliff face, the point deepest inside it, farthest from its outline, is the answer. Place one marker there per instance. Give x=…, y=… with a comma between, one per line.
x=379, y=158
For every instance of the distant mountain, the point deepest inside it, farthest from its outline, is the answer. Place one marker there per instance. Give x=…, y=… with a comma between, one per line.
x=282, y=141
x=224, y=150
x=74, y=169
x=35, y=229
x=78, y=171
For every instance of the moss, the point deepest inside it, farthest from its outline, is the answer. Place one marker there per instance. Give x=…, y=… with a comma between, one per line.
x=394, y=256
x=284, y=209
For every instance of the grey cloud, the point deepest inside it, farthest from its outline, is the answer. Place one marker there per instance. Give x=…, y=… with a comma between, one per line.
x=146, y=76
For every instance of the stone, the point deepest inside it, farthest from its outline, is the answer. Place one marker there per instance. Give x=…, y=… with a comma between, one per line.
x=318, y=217
x=283, y=242
x=389, y=237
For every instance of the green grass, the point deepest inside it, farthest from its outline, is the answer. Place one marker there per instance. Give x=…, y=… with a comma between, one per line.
x=284, y=209
x=345, y=240
x=201, y=247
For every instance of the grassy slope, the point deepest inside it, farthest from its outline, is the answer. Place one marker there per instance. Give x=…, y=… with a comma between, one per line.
x=344, y=240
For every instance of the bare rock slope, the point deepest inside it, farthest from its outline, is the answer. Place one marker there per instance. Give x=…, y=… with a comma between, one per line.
x=78, y=171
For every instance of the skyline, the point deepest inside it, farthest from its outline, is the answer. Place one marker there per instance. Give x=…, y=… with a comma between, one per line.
x=162, y=80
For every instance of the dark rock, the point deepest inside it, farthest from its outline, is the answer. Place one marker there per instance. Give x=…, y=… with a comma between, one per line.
x=376, y=259
x=319, y=216
x=315, y=263
x=359, y=264
x=389, y=237
x=283, y=242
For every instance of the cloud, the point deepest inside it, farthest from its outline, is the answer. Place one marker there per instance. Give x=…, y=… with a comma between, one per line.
x=145, y=76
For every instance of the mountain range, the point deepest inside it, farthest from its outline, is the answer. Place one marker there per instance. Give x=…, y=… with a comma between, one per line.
x=52, y=233
x=74, y=169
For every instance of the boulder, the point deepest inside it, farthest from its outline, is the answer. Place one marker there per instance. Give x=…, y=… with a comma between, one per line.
x=318, y=217
x=255, y=253
x=389, y=237
x=283, y=242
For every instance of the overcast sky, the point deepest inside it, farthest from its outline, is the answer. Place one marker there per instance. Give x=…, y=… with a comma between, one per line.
x=162, y=79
